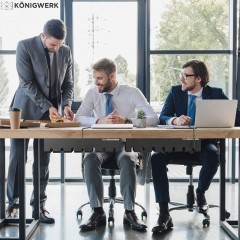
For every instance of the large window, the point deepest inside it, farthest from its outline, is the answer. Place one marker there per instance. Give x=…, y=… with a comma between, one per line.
x=104, y=29
x=181, y=30
x=19, y=22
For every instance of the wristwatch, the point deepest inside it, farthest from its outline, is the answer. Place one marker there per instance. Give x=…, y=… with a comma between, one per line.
x=127, y=120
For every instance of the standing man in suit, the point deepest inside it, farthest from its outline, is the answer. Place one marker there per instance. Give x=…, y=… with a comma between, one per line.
x=111, y=102
x=44, y=66
x=194, y=77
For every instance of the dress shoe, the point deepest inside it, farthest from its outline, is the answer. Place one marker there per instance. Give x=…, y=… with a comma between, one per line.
x=44, y=216
x=12, y=211
x=164, y=223
x=96, y=220
x=202, y=206
x=131, y=219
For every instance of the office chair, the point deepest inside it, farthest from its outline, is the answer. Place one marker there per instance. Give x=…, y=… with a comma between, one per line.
x=176, y=145
x=191, y=162
x=111, y=169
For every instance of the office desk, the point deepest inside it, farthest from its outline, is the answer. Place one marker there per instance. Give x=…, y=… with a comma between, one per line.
x=147, y=139
x=37, y=133
x=143, y=135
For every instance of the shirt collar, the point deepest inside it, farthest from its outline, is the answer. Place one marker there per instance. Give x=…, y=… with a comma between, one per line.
x=197, y=94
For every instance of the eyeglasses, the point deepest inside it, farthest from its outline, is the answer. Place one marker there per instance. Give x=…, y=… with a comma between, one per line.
x=185, y=75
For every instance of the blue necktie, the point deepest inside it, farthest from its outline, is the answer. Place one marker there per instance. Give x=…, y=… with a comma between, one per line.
x=192, y=108
x=108, y=108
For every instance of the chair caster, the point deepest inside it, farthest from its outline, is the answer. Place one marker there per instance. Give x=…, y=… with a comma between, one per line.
x=111, y=219
x=79, y=213
x=144, y=214
x=227, y=214
x=206, y=220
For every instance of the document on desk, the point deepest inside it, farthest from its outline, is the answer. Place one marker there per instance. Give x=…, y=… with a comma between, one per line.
x=112, y=126
x=174, y=127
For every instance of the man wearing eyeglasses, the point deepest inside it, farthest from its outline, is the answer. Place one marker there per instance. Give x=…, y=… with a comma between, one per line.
x=179, y=109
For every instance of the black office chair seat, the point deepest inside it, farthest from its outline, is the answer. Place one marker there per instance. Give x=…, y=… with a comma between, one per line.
x=190, y=203
x=111, y=169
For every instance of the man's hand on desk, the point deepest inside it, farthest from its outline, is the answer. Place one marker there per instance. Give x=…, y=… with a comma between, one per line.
x=112, y=118
x=181, y=121
x=68, y=113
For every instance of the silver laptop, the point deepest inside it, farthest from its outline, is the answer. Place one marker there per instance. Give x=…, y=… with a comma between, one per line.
x=219, y=113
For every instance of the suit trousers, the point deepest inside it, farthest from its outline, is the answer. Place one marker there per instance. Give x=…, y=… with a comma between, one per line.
x=12, y=180
x=93, y=177
x=209, y=157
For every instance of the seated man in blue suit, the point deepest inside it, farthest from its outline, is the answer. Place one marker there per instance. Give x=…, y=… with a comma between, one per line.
x=194, y=77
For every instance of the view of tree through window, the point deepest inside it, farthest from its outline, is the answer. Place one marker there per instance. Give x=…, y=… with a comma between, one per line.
x=188, y=25
x=100, y=30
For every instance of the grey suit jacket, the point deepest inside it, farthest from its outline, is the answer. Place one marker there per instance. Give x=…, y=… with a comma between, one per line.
x=32, y=93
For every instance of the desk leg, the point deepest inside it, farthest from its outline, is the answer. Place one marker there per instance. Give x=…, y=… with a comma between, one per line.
x=36, y=182
x=2, y=178
x=222, y=180
x=238, y=188
x=22, y=207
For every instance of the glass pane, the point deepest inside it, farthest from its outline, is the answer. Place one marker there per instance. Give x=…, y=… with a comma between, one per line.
x=100, y=30
x=189, y=24
x=8, y=82
x=165, y=73
x=24, y=21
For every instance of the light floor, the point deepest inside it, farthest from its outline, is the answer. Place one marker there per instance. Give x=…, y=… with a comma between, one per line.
x=64, y=200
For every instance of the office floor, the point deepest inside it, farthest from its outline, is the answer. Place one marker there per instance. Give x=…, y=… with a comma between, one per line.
x=64, y=199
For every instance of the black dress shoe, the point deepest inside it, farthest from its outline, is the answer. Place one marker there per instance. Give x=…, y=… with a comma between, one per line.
x=44, y=216
x=202, y=206
x=131, y=219
x=96, y=220
x=164, y=223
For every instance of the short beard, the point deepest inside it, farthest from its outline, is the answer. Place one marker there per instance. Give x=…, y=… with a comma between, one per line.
x=106, y=88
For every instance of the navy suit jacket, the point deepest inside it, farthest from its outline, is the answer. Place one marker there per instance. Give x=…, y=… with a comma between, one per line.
x=176, y=103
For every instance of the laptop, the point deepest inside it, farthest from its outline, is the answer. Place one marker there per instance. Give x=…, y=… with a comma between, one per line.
x=215, y=113
x=112, y=126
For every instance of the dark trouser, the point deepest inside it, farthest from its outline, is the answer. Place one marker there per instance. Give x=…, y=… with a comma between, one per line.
x=12, y=180
x=209, y=157
x=15, y=157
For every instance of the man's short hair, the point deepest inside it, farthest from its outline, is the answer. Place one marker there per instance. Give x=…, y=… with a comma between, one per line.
x=55, y=28
x=200, y=70
x=106, y=65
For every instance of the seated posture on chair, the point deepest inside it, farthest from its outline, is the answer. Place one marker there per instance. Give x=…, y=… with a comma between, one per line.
x=179, y=109
x=111, y=102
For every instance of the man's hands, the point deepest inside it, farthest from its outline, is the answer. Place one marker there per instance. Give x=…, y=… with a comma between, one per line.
x=67, y=112
x=182, y=120
x=53, y=112
x=112, y=118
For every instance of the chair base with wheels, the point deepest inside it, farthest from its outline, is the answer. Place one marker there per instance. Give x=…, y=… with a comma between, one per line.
x=190, y=205
x=111, y=199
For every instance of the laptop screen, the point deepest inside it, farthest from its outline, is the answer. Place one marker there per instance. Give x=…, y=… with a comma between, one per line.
x=219, y=113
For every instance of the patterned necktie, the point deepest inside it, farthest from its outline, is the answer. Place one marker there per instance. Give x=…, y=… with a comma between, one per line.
x=108, y=108
x=192, y=108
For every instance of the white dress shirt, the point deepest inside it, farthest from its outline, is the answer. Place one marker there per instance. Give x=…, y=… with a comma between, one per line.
x=126, y=100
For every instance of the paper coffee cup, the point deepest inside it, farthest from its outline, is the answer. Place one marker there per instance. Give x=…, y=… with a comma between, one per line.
x=15, y=117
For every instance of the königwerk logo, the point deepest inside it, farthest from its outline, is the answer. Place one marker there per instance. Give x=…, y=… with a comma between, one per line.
x=7, y=5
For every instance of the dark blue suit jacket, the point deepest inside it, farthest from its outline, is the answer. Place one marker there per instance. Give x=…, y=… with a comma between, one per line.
x=176, y=103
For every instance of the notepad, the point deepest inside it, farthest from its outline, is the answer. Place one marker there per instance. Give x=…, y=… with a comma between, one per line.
x=112, y=126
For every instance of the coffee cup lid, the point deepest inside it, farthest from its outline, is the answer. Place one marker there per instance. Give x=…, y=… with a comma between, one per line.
x=15, y=109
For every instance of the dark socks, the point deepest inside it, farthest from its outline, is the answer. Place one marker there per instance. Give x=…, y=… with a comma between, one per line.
x=164, y=210
x=98, y=210
x=128, y=211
